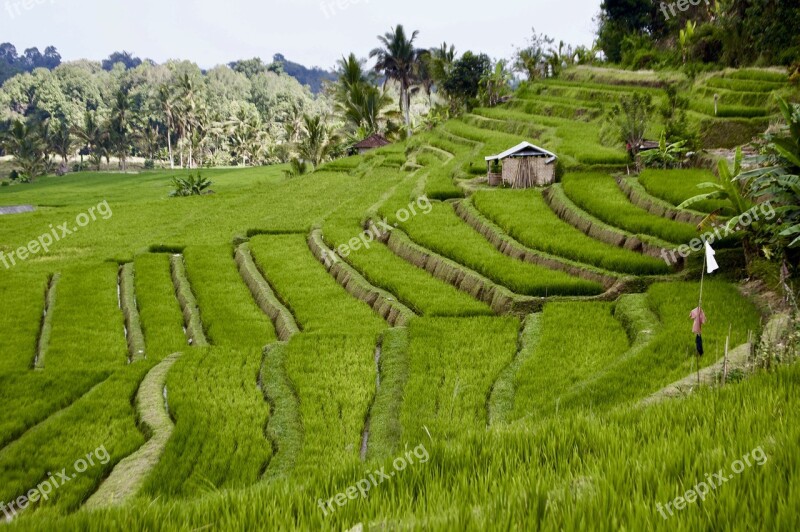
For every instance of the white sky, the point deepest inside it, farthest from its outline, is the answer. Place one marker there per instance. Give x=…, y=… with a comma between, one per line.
x=214, y=32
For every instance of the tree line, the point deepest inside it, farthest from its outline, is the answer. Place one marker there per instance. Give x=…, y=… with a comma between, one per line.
x=79, y=114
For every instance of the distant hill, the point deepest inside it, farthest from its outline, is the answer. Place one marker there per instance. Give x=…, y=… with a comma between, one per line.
x=313, y=77
x=13, y=63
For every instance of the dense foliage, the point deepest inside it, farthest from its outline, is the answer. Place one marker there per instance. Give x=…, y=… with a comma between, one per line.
x=643, y=34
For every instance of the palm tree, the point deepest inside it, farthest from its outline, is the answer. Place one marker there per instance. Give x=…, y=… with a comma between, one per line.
x=168, y=109
x=187, y=113
x=728, y=188
x=399, y=61
x=360, y=103
x=25, y=144
x=318, y=142
x=61, y=141
x=120, y=126
x=94, y=137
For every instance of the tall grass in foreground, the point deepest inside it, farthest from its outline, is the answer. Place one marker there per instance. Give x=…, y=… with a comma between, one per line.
x=608, y=470
x=599, y=195
x=670, y=355
x=526, y=217
x=334, y=379
x=577, y=340
x=453, y=364
x=102, y=417
x=220, y=415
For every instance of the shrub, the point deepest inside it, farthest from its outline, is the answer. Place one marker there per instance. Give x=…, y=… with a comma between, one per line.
x=149, y=164
x=192, y=185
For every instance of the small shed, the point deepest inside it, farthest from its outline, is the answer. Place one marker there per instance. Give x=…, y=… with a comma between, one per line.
x=523, y=166
x=370, y=143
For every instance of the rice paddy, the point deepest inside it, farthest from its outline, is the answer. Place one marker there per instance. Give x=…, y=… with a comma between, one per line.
x=292, y=385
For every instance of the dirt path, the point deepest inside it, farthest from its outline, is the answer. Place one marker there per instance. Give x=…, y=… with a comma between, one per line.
x=500, y=403
x=43, y=342
x=129, y=474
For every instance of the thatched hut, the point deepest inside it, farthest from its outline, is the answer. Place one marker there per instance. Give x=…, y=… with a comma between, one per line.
x=523, y=166
x=370, y=143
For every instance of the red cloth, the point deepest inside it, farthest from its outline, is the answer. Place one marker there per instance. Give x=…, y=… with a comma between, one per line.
x=699, y=318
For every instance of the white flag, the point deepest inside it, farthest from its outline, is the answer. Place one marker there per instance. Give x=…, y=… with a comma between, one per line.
x=711, y=260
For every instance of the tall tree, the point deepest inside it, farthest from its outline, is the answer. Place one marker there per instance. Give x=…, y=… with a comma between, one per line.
x=166, y=103
x=318, y=140
x=359, y=101
x=120, y=127
x=25, y=144
x=399, y=60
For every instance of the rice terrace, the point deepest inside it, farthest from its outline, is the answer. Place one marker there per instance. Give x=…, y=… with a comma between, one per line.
x=518, y=282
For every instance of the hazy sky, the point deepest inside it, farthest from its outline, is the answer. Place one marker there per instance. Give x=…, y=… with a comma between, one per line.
x=312, y=32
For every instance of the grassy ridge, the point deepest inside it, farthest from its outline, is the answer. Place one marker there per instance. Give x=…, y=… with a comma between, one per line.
x=414, y=287
x=88, y=326
x=445, y=233
x=671, y=354
x=318, y=302
x=599, y=195
x=230, y=316
x=334, y=378
x=160, y=313
x=577, y=340
x=526, y=217
x=220, y=414
x=676, y=186
x=21, y=307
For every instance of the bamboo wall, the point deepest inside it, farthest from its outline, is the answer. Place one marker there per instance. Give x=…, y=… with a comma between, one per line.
x=528, y=172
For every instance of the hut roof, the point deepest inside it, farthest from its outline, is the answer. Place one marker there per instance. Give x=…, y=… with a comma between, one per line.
x=373, y=141
x=524, y=149
x=648, y=145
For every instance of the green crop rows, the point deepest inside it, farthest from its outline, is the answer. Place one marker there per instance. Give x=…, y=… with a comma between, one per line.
x=531, y=414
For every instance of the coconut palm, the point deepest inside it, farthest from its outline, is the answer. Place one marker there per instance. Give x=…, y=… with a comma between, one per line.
x=120, y=127
x=25, y=144
x=359, y=101
x=94, y=137
x=188, y=113
x=318, y=140
x=165, y=101
x=398, y=60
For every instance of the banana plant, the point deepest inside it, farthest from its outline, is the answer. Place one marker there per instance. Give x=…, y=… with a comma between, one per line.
x=728, y=187
x=667, y=155
x=686, y=36
x=778, y=178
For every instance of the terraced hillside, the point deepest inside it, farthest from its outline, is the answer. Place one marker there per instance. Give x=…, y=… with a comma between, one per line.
x=389, y=326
